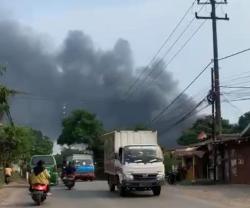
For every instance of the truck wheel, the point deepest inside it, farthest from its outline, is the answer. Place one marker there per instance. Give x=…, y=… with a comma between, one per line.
x=156, y=190
x=111, y=187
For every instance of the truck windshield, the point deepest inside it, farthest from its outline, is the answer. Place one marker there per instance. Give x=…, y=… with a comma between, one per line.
x=142, y=154
x=83, y=162
x=48, y=160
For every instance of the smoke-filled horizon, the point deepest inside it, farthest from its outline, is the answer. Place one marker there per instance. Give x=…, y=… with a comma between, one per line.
x=78, y=75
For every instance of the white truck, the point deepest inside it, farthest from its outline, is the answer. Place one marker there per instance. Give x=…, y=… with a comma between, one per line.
x=133, y=161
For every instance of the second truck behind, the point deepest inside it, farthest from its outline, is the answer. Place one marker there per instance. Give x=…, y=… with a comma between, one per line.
x=84, y=164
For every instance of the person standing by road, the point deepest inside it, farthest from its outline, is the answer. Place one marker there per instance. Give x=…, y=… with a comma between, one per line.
x=7, y=173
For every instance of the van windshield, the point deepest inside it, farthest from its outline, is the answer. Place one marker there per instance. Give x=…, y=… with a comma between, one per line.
x=48, y=160
x=142, y=154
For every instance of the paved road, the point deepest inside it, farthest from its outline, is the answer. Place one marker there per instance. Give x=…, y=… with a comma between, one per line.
x=96, y=195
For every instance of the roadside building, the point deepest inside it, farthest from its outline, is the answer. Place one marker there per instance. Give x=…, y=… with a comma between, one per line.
x=233, y=159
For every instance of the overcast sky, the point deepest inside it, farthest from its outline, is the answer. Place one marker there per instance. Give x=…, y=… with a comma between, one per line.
x=145, y=24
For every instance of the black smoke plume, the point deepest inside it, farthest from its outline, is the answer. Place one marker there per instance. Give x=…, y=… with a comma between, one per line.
x=78, y=75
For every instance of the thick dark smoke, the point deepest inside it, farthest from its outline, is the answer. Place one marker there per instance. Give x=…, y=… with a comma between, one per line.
x=78, y=75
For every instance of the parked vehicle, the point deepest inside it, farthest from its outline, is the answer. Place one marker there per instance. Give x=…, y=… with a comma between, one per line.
x=39, y=193
x=171, y=177
x=50, y=165
x=84, y=165
x=69, y=181
x=133, y=160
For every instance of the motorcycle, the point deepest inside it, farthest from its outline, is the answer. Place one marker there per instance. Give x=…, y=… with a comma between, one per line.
x=171, y=177
x=39, y=193
x=69, y=181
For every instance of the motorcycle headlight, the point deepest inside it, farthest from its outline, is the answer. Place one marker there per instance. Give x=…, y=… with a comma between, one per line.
x=128, y=176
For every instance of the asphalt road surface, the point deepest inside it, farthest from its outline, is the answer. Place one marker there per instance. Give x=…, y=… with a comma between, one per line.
x=96, y=195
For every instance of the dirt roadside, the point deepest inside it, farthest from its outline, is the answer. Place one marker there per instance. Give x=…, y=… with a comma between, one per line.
x=7, y=190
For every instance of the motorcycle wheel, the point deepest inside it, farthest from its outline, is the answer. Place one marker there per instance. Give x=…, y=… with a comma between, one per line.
x=38, y=199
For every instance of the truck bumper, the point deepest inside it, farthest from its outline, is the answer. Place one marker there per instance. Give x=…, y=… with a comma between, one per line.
x=142, y=185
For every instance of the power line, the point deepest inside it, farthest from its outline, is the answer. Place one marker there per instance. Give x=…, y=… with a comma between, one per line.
x=187, y=115
x=241, y=99
x=237, y=78
x=147, y=68
x=172, y=46
x=236, y=87
x=234, y=106
x=180, y=94
x=181, y=49
x=223, y=58
x=179, y=106
x=240, y=83
x=234, y=54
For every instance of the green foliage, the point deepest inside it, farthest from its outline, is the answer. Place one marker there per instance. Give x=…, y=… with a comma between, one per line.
x=20, y=143
x=170, y=161
x=204, y=124
x=59, y=160
x=188, y=137
x=42, y=145
x=244, y=120
x=80, y=127
x=139, y=127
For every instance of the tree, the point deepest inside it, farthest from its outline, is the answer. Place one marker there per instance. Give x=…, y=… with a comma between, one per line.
x=140, y=126
x=20, y=143
x=8, y=143
x=82, y=127
x=244, y=120
x=204, y=124
x=169, y=161
x=42, y=145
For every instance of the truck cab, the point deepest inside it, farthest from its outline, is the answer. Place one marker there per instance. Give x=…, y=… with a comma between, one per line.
x=84, y=164
x=141, y=168
x=134, y=162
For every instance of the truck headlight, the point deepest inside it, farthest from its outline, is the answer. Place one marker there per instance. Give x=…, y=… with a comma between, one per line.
x=160, y=177
x=128, y=176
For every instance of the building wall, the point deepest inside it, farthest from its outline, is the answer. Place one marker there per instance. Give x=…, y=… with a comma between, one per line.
x=239, y=162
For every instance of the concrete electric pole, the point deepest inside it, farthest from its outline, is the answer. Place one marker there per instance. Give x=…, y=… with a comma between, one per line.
x=216, y=87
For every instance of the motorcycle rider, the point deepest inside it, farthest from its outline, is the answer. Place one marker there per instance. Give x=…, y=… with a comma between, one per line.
x=40, y=175
x=64, y=166
x=70, y=169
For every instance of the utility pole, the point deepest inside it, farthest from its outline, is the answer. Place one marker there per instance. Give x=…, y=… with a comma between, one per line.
x=212, y=95
x=213, y=123
x=216, y=77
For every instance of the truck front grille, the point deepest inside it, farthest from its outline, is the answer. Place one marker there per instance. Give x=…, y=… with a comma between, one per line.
x=143, y=177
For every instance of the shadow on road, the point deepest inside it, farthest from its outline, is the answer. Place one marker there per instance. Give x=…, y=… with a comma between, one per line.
x=27, y=204
x=97, y=194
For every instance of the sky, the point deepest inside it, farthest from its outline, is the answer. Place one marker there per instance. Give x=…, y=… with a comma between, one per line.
x=145, y=24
